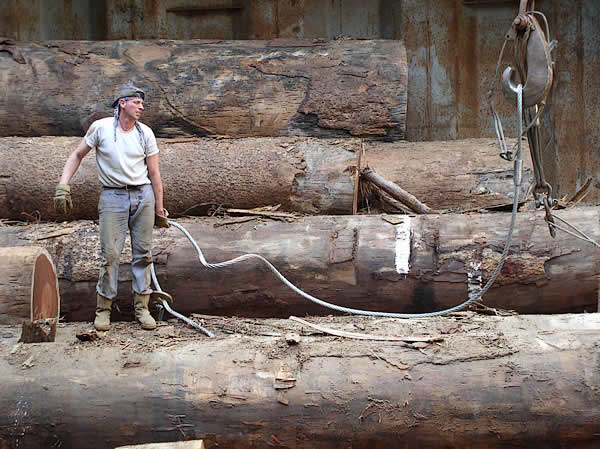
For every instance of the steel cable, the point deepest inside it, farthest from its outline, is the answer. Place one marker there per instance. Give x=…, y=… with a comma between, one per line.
x=165, y=304
x=476, y=297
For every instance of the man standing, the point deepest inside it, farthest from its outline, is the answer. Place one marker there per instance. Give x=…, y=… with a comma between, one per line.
x=131, y=198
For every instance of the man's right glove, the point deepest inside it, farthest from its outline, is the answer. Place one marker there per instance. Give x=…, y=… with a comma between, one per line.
x=162, y=221
x=62, y=199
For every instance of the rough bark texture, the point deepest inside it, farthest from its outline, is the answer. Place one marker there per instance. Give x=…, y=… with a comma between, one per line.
x=493, y=382
x=302, y=174
x=234, y=88
x=28, y=285
x=417, y=264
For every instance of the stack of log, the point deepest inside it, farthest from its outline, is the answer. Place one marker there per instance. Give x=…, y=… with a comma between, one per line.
x=392, y=263
x=295, y=125
x=296, y=137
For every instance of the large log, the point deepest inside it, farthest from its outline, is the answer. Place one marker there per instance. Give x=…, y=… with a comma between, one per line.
x=234, y=88
x=493, y=382
x=28, y=285
x=405, y=264
x=302, y=174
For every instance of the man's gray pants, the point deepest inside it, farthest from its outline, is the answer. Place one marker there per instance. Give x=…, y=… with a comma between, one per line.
x=119, y=210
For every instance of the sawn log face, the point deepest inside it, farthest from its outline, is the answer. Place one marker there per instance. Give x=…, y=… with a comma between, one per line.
x=417, y=264
x=231, y=88
x=28, y=285
x=527, y=381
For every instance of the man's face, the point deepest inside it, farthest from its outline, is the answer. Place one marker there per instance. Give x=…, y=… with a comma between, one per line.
x=132, y=108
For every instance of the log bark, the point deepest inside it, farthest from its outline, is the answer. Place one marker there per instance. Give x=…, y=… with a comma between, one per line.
x=28, y=286
x=384, y=263
x=525, y=381
x=306, y=175
x=233, y=88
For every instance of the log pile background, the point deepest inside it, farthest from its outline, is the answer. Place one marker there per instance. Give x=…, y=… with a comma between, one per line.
x=229, y=88
x=305, y=175
x=283, y=119
x=389, y=263
x=320, y=92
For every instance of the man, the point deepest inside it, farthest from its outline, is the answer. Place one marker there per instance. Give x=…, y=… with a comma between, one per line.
x=131, y=198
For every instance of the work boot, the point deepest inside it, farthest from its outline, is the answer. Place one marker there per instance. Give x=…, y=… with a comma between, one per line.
x=142, y=314
x=103, y=305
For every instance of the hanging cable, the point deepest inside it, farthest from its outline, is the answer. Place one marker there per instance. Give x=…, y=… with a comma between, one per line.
x=517, y=182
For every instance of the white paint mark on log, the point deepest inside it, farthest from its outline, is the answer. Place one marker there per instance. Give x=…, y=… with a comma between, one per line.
x=474, y=278
x=403, y=232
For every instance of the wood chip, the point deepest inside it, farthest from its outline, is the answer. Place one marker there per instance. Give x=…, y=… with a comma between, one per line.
x=234, y=221
x=262, y=213
x=282, y=399
x=292, y=339
x=88, y=336
x=28, y=363
x=57, y=233
x=392, y=220
x=357, y=336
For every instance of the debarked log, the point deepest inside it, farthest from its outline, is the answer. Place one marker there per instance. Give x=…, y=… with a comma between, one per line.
x=384, y=263
x=233, y=88
x=493, y=382
x=28, y=287
x=306, y=175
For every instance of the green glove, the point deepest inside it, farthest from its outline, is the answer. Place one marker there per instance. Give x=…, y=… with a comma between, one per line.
x=63, y=204
x=162, y=221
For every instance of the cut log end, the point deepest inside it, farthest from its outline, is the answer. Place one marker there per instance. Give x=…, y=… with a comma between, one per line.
x=44, y=290
x=29, y=292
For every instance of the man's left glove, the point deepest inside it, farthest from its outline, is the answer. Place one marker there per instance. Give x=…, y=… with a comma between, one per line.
x=63, y=204
x=162, y=221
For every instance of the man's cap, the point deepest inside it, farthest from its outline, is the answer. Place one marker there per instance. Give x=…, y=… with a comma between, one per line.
x=129, y=91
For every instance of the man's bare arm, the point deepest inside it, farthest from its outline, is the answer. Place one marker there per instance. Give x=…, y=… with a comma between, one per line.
x=155, y=179
x=74, y=161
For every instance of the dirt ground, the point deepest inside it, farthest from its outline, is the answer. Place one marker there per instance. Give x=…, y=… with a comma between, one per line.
x=485, y=335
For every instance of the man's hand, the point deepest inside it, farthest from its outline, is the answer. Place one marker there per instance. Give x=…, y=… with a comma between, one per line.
x=162, y=220
x=63, y=205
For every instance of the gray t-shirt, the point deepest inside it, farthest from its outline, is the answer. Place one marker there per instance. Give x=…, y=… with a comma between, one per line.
x=122, y=162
